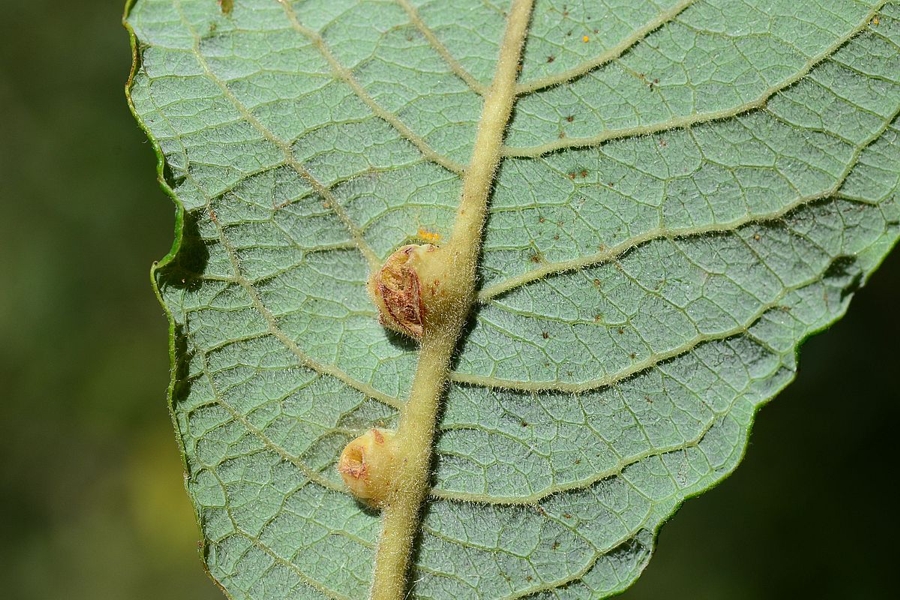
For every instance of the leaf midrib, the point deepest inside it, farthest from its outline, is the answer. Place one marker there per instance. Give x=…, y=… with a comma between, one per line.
x=418, y=418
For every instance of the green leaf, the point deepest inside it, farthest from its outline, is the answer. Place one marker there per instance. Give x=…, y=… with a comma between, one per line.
x=687, y=190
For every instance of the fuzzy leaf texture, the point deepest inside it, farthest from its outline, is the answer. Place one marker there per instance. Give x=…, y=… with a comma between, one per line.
x=688, y=190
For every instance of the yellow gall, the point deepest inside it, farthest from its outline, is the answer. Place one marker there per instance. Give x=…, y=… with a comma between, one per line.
x=367, y=466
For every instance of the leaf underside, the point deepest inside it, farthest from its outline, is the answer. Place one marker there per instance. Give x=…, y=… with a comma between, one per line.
x=689, y=189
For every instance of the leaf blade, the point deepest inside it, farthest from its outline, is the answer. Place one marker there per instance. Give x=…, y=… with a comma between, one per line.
x=256, y=316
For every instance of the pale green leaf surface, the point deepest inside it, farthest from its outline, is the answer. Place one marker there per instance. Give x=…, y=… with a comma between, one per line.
x=687, y=195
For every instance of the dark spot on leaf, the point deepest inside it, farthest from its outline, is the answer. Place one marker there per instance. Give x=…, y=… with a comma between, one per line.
x=570, y=118
x=845, y=274
x=172, y=179
x=186, y=269
x=567, y=516
x=226, y=6
x=545, y=335
x=551, y=58
x=182, y=386
x=555, y=545
x=621, y=331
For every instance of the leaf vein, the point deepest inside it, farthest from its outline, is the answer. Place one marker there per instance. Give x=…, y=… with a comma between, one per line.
x=344, y=74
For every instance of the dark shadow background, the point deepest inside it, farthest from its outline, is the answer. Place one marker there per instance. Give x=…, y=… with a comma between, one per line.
x=92, y=503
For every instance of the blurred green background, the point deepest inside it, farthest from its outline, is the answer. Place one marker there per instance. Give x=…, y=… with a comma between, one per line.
x=92, y=503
